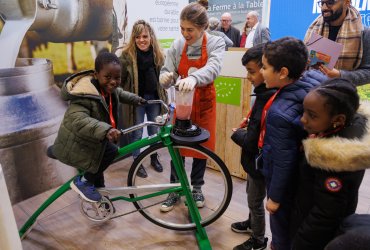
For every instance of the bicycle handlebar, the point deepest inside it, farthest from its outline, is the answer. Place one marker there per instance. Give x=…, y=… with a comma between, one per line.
x=164, y=118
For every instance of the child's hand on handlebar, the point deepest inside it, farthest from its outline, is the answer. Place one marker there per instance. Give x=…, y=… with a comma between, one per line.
x=142, y=101
x=113, y=135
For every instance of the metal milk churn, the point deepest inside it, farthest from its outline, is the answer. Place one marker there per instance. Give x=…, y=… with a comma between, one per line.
x=30, y=113
x=30, y=105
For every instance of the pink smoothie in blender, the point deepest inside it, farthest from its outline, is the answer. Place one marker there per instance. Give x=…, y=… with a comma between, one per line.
x=183, y=112
x=184, y=103
x=183, y=125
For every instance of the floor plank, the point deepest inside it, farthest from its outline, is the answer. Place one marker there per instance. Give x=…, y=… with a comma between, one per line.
x=62, y=226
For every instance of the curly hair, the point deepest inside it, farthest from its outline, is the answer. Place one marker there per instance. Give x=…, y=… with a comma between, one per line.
x=287, y=52
x=105, y=58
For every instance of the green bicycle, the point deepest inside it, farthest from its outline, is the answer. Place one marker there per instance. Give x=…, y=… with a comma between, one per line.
x=147, y=194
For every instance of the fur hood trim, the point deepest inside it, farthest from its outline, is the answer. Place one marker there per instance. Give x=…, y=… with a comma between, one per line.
x=340, y=154
x=81, y=85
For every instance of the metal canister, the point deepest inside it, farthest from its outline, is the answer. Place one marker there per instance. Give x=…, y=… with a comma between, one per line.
x=30, y=113
x=71, y=20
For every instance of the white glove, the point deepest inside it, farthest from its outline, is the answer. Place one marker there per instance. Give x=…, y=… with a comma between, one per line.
x=186, y=84
x=165, y=79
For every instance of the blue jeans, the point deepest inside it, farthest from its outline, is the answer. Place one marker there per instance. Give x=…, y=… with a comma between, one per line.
x=151, y=111
x=256, y=190
x=280, y=221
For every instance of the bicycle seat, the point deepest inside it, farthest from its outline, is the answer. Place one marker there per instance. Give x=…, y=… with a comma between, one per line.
x=49, y=153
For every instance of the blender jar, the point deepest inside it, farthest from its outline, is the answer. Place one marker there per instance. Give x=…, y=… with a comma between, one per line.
x=184, y=103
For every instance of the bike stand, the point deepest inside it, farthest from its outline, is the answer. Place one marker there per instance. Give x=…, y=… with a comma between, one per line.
x=31, y=221
x=200, y=232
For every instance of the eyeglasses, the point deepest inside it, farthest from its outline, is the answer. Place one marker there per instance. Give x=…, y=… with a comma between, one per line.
x=328, y=3
x=226, y=21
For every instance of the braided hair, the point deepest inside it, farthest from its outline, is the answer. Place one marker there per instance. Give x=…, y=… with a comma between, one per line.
x=341, y=97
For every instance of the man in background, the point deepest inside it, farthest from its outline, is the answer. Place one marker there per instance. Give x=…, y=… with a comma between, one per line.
x=213, y=25
x=258, y=33
x=230, y=31
x=341, y=22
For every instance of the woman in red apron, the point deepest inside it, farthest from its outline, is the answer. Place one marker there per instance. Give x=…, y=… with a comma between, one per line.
x=196, y=58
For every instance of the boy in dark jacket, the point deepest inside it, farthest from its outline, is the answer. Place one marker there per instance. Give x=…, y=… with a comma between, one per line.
x=247, y=137
x=88, y=131
x=284, y=61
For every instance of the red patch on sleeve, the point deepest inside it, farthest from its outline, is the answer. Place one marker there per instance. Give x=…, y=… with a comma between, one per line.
x=333, y=184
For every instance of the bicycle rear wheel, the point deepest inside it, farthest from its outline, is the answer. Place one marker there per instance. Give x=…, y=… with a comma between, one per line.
x=217, y=189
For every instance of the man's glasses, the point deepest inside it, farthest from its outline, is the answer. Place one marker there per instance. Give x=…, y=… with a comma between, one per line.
x=225, y=21
x=328, y=3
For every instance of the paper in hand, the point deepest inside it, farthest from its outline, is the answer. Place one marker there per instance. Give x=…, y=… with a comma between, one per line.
x=323, y=51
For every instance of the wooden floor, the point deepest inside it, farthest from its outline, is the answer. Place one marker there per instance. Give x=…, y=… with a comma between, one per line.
x=62, y=226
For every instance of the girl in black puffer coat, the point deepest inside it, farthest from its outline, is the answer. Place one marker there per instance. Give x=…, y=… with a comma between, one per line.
x=337, y=153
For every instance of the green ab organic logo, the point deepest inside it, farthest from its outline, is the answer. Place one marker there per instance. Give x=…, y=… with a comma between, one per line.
x=228, y=90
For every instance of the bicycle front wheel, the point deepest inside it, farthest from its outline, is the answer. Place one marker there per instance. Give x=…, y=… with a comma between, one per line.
x=217, y=188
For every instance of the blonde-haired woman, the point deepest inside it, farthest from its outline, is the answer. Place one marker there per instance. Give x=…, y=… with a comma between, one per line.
x=142, y=60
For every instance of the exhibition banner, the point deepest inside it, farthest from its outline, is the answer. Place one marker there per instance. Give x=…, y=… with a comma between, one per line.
x=237, y=8
x=163, y=16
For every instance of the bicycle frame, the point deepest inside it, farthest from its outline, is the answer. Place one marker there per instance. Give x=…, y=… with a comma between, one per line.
x=183, y=187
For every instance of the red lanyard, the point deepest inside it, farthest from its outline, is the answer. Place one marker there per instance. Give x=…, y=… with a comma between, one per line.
x=111, y=117
x=263, y=119
x=245, y=123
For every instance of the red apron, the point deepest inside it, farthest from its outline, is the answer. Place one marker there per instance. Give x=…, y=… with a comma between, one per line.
x=204, y=103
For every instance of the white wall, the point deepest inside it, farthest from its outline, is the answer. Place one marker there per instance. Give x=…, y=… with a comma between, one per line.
x=9, y=237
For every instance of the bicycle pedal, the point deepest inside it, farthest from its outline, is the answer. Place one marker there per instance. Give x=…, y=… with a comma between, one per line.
x=97, y=211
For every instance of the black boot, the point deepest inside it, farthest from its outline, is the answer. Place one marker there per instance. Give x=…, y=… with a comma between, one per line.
x=142, y=172
x=155, y=163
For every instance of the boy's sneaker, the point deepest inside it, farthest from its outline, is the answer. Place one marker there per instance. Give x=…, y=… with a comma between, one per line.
x=198, y=198
x=171, y=200
x=242, y=227
x=252, y=244
x=85, y=189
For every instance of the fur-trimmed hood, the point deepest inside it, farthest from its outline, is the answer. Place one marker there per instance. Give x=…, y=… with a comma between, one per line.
x=340, y=154
x=79, y=85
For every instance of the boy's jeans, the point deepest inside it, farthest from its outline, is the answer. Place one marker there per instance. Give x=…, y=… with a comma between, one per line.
x=256, y=193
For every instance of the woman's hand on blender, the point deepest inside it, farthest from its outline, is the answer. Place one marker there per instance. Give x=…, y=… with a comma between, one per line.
x=165, y=79
x=186, y=84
